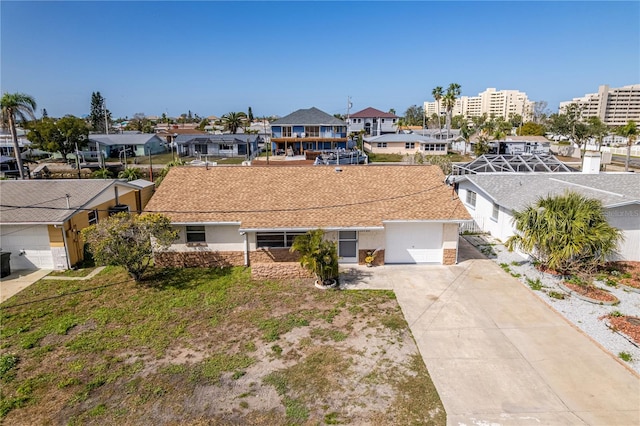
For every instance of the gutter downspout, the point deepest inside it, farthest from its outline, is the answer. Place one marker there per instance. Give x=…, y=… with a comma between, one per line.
x=246, y=249
x=66, y=245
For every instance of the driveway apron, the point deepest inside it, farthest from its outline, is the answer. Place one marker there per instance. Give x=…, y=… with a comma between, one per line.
x=497, y=354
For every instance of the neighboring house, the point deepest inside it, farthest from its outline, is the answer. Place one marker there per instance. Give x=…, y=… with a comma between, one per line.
x=405, y=143
x=135, y=145
x=373, y=121
x=450, y=136
x=227, y=145
x=515, y=147
x=6, y=142
x=9, y=167
x=250, y=215
x=491, y=199
x=308, y=130
x=170, y=135
x=41, y=220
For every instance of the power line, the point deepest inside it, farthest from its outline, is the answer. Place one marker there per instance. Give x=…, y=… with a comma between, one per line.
x=283, y=210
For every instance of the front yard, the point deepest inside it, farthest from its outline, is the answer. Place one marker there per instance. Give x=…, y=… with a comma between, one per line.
x=205, y=346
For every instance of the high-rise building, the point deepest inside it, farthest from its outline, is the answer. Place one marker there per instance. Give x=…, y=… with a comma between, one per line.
x=613, y=106
x=496, y=103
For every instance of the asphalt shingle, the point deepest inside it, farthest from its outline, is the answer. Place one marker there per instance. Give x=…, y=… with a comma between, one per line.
x=303, y=197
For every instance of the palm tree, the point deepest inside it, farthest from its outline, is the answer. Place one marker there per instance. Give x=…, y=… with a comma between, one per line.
x=17, y=106
x=130, y=173
x=437, y=95
x=317, y=255
x=453, y=91
x=566, y=233
x=466, y=132
x=629, y=131
x=232, y=121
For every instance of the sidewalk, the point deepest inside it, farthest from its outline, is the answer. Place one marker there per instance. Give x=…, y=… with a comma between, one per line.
x=497, y=354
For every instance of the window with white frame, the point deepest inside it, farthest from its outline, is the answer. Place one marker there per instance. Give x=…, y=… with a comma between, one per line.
x=471, y=198
x=286, y=132
x=196, y=234
x=276, y=239
x=381, y=145
x=495, y=212
x=409, y=145
x=93, y=217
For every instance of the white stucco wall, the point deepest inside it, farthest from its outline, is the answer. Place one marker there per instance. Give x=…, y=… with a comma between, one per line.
x=371, y=240
x=218, y=238
x=501, y=228
x=627, y=219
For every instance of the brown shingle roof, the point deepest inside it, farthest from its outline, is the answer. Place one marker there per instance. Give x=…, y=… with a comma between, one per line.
x=373, y=113
x=306, y=197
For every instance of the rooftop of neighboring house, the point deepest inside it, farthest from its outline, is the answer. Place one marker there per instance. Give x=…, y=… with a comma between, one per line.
x=509, y=139
x=45, y=201
x=372, y=113
x=403, y=137
x=219, y=138
x=515, y=191
x=311, y=116
x=297, y=197
x=123, y=138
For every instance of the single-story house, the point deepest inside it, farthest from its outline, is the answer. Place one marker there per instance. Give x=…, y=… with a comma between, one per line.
x=135, y=144
x=491, y=199
x=225, y=145
x=250, y=215
x=405, y=143
x=41, y=220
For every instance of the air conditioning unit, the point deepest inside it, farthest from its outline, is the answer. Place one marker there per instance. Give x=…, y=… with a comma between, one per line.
x=118, y=209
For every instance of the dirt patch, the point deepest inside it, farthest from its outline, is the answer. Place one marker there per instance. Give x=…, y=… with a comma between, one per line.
x=627, y=325
x=591, y=291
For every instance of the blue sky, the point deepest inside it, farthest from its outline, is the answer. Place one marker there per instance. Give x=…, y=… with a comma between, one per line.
x=216, y=57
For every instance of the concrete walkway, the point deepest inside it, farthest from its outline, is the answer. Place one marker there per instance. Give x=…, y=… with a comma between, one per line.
x=18, y=281
x=497, y=354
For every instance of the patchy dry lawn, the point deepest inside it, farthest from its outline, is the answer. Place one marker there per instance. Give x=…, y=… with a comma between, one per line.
x=204, y=346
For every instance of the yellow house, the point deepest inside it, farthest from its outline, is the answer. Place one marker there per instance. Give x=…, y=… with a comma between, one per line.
x=41, y=220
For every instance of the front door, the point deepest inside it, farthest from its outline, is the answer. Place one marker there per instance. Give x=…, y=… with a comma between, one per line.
x=348, y=246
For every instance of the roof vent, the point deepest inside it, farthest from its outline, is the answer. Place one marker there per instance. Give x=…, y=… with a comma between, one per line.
x=338, y=169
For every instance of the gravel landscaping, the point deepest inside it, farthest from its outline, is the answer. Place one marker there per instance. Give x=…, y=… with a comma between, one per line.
x=589, y=317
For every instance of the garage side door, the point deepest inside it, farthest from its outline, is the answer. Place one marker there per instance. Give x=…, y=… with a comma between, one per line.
x=413, y=243
x=33, y=241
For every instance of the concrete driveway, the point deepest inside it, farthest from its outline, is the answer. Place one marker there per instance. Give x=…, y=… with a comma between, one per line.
x=497, y=354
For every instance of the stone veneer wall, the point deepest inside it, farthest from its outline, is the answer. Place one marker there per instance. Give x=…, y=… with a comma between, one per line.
x=377, y=261
x=449, y=257
x=191, y=259
x=273, y=255
x=279, y=270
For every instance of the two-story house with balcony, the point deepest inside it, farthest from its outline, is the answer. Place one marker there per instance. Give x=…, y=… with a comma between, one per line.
x=308, y=130
x=373, y=121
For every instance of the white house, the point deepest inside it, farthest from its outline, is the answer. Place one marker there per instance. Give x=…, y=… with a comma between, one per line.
x=373, y=121
x=250, y=215
x=405, y=143
x=491, y=199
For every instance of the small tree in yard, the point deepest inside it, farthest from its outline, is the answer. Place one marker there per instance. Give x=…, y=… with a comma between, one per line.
x=317, y=255
x=568, y=233
x=126, y=240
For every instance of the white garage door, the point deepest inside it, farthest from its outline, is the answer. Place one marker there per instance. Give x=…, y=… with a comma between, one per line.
x=413, y=243
x=32, y=241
